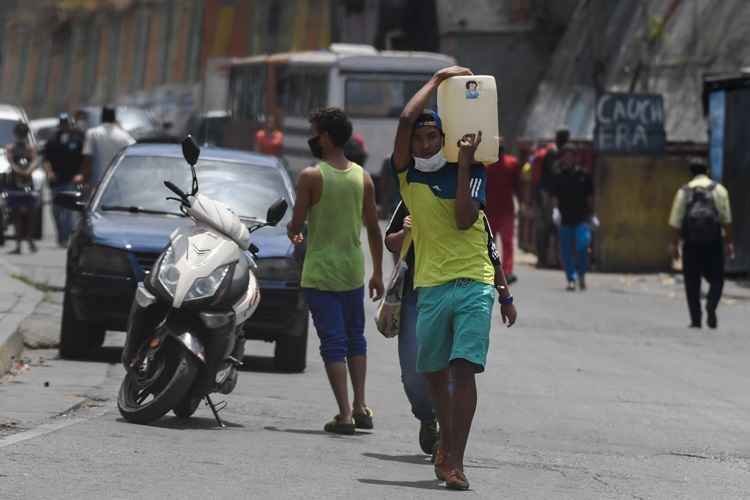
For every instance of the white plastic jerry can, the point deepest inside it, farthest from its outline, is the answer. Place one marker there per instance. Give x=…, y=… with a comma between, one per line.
x=467, y=104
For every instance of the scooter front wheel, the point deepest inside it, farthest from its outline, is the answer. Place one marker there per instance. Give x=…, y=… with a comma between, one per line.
x=142, y=402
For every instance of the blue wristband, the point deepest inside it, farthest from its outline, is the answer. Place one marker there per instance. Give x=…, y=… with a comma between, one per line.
x=506, y=301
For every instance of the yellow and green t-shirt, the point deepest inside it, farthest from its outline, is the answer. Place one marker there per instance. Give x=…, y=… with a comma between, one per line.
x=444, y=252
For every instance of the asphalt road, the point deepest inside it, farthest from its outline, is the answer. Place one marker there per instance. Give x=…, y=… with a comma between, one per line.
x=602, y=394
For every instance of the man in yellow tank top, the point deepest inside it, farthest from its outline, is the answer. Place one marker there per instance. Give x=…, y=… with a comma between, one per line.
x=335, y=197
x=453, y=271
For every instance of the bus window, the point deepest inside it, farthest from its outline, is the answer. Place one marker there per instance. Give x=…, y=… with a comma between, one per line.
x=246, y=91
x=302, y=90
x=377, y=96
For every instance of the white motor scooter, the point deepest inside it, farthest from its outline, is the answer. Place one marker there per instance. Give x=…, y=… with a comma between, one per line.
x=185, y=337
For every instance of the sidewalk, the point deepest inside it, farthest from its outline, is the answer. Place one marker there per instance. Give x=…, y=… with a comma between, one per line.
x=18, y=300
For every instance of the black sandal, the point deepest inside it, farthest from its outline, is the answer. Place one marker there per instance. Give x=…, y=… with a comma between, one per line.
x=335, y=426
x=363, y=420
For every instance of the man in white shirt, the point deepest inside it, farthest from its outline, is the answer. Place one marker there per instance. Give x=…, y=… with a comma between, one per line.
x=101, y=145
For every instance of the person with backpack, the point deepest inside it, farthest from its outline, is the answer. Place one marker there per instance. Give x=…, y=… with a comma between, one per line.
x=701, y=217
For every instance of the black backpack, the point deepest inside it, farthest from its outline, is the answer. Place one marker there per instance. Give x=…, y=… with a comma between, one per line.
x=701, y=223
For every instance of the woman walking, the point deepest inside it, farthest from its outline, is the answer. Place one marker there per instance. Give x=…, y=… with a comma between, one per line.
x=22, y=200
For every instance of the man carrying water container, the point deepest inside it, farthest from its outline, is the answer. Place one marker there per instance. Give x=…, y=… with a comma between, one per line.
x=453, y=271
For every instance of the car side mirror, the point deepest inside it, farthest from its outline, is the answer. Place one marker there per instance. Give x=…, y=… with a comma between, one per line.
x=71, y=200
x=190, y=150
x=276, y=212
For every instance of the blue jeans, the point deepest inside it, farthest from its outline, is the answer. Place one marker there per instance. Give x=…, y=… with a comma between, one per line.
x=575, y=239
x=339, y=319
x=64, y=218
x=415, y=385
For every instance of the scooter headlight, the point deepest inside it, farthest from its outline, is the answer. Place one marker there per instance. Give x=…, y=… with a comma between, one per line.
x=207, y=286
x=169, y=275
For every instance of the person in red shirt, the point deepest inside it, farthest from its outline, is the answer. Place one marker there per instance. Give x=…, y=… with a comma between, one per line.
x=269, y=140
x=503, y=181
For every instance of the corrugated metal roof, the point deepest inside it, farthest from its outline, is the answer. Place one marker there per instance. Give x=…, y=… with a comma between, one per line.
x=688, y=38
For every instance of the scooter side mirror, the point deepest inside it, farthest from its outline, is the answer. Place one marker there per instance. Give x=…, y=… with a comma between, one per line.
x=190, y=150
x=276, y=212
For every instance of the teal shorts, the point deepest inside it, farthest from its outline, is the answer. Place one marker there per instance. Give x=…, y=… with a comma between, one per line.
x=454, y=322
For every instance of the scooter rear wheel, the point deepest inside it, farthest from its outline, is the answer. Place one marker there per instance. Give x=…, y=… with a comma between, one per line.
x=143, y=403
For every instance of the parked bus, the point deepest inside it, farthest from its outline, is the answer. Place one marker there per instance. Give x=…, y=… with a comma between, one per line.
x=371, y=86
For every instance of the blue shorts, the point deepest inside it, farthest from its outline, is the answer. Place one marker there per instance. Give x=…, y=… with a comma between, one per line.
x=339, y=319
x=454, y=322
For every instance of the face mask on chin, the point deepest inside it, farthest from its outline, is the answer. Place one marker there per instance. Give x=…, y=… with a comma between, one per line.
x=431, y=164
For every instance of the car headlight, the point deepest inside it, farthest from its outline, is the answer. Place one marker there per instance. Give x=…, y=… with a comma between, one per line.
x=98, y=259
x=277, y=270
x=169, y=275
x=207, y=286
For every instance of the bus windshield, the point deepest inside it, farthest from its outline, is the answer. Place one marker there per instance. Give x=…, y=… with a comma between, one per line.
x=381, y=96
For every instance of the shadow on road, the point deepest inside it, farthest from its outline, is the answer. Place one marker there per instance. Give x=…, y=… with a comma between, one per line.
x=106, y=355
x=250, y=363
x=424, y=460
x=407, y=459
x=109, y=355
x=313, y=432
x=192, y=423
x=433, y=484
x=258, y=364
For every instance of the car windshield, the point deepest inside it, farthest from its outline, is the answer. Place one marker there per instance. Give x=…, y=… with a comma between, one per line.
x=247, y=189
x=6, y=132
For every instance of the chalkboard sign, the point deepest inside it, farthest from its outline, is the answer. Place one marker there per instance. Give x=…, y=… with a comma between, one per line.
x=629, y=124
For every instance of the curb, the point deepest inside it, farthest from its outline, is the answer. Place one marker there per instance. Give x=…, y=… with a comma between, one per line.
x=11, y=340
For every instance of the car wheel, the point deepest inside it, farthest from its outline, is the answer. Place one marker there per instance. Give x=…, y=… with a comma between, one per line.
x=290, y=354
x=77, y=338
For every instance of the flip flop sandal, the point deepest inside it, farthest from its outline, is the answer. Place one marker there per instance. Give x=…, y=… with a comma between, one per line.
x=337, y=427
x=363, y=420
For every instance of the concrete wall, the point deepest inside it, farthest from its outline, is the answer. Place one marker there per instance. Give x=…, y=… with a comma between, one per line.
x=513, y=40
x=515, y=60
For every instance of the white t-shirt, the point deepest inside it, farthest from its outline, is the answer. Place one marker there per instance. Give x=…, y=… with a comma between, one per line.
x=102, y=144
